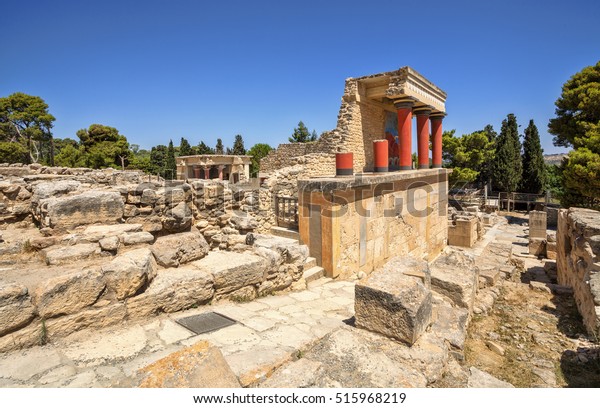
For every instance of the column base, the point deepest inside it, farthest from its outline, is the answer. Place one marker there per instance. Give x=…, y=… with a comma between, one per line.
x=423, y=166
x=381, y=169
x=344, y=172
x=405, y=168
x=436, y=166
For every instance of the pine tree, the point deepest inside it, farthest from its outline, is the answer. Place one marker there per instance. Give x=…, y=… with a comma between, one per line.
x=238, y=146
x=534, y=168
x=507, y=168
x=219, y=147
x=300, y=135
x=313, y=136
x=170, y=163
x=488, y=167
x=204, y=149
x=185, y=149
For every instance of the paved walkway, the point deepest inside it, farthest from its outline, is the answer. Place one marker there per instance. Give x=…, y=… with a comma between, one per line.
x=270, y=332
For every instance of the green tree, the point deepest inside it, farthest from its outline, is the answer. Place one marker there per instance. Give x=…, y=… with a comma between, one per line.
x=25, y=119
x=140, y=159
x=467, y=155
x=13, y=152
x=486, y=172
x=238, y=146
x=204, y=149
x=507, y=166
x=313, y=136
x=71, y=156
x=185, y=149
x=577, y=125
x=158, y=160
x=219, y=147
x=258, y=151
x=301, y=134
x=534, y=168
x=170, y=163
x=104, y=147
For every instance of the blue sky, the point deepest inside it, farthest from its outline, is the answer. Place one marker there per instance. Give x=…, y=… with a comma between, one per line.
x=160, y=70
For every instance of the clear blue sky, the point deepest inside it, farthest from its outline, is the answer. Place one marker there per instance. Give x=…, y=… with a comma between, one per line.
x=160, y=70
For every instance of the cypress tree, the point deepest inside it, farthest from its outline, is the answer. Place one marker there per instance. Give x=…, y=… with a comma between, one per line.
x=170, y=163
x=185, y=149
x=238, y=146
x=219, y=147
x=507, y=169
x=534, y=168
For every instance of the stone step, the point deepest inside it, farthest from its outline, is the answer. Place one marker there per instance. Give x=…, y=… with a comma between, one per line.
x=312, y=274
x=318, y=282
x=285, y=233
x=309, y=263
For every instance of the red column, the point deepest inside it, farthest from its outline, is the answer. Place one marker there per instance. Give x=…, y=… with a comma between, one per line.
x=344, y=164
x=206, y=173
x=423, y=137
x=196, y=172
x=221, y=172
x=436, y=135
x=405, y=133
x=380, y=156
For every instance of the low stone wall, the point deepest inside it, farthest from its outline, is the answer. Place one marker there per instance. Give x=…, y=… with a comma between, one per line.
x=578, y=261
x=463, y=231
x=354, y=224
x=175, y=273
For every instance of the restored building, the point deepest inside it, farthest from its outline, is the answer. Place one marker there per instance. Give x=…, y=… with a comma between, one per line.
x=214, y=166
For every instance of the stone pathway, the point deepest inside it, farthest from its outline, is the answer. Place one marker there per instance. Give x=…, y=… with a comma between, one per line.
x=270, y=332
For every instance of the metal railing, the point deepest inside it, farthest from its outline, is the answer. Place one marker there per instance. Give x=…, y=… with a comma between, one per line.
x=286, y=212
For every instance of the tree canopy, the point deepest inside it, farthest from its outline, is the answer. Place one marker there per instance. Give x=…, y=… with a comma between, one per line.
x=204, y=149
x=103, y=146
x=507, y=167
x=25, y=119
x=466, y=155
x=577, y=124
x=302, y=135
x=185, y=149
x=258, y=151
x=219, y=149
x=238, y=146
x=534, y=168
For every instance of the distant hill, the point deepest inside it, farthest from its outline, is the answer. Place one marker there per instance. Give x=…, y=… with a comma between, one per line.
x=554, y=158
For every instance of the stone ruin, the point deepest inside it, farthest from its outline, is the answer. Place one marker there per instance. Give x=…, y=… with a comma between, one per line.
x=90, y=248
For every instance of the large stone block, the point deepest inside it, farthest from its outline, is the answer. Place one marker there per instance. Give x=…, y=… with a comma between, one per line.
x=127, y=273
x=233, y=272
x=537, y=224
x=394, y=304
x=16, y=309
x=90, y=207
x=455, y=276
x=537, y=246
x=95, y=233
x=176, y=249
x=68, y=294
x=172, y=290
x=199, y=366
x=57, y=256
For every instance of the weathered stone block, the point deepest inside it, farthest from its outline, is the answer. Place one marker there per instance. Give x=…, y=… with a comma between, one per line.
x=393, y=304
x=172, y=290
x=16, y=309
x=127, y=273
x=537, y=246
x=69, y=253
x=68, y=294
x=463, y=232
x=178, y=219
x=95, y=233
x=90, y=207
x=176, y=249
x=454, y=275
x=233, y=272
x=135, y=238
x=537, y=224
x=110, y=244
x=199, y=366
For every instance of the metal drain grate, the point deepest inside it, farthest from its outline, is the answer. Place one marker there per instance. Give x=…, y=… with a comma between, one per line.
x=205, y=322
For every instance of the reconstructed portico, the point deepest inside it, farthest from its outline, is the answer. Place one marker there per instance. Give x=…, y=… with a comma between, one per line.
x=382, y=106
x=214, y=166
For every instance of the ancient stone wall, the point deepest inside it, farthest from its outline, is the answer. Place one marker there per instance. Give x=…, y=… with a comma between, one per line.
x=578, y=261
x=353, y=224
